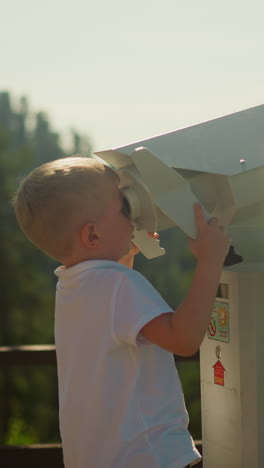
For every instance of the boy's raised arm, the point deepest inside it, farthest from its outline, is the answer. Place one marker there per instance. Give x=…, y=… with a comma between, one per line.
x=182, y=332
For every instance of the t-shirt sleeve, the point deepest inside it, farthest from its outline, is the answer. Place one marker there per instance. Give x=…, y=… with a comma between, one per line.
x=136, y=303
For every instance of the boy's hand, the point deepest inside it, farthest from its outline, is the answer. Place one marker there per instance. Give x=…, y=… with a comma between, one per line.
x=212, y=243
x=128, y=259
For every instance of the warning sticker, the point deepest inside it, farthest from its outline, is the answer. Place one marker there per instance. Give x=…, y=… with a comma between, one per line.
x=218, y=328
x=219, y=373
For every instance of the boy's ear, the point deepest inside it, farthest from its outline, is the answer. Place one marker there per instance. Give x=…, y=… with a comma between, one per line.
x=88, y=236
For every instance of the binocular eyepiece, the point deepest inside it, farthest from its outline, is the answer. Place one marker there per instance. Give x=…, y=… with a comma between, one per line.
x=132, y=210
x=218, y=164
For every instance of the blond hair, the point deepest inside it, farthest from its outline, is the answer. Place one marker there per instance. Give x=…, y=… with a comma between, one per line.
x=57, y=198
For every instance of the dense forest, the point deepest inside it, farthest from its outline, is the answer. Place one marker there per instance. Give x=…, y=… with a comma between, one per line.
x=28, y=403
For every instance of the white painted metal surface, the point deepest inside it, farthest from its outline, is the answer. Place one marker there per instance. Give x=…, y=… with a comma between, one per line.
x=233, y=411
x=219, y=163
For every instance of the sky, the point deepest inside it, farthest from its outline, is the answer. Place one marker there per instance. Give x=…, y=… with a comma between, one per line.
x=122, y=71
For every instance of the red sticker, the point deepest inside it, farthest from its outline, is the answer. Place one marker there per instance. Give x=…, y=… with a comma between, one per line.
x=219, y=373
x=211, y=328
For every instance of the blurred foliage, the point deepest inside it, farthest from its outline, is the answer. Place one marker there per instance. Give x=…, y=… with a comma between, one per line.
x=189, y=373
x=28, y=404
x=33, y=405
x=26, y=275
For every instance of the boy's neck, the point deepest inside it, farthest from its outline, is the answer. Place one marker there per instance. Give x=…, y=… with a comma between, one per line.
x=126, y=260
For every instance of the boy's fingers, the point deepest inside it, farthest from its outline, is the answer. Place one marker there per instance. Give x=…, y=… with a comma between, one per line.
x=200, y=220
x=213, y=222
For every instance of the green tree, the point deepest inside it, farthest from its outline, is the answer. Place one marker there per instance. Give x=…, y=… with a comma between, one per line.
x=28, y=406
x=81, y=144
x=46, y=144
x=5, y=112
x=27, y=298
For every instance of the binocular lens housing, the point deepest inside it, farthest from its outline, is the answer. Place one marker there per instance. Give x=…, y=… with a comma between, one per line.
x=137, y=202
x=126, y=207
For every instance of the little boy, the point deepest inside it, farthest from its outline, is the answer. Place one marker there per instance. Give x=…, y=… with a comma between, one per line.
x=121, y=402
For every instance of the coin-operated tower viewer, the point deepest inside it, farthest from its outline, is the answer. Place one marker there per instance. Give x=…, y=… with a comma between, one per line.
x=219, y=163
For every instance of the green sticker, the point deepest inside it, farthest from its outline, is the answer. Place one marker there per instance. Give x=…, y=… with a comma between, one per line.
x=218, y=328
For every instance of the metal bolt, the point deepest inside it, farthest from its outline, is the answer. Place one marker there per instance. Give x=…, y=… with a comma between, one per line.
x=218, y=352
x=242, y=162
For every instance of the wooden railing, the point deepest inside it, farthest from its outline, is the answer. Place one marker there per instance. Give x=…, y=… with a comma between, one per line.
x=43, y=455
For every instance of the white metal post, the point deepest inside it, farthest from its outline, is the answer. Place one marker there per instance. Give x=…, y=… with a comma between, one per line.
x=232, y=375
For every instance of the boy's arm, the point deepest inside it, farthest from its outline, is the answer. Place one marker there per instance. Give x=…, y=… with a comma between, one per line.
x=182, y=332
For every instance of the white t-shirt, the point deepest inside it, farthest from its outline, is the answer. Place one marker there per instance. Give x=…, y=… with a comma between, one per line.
x=120, y=398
